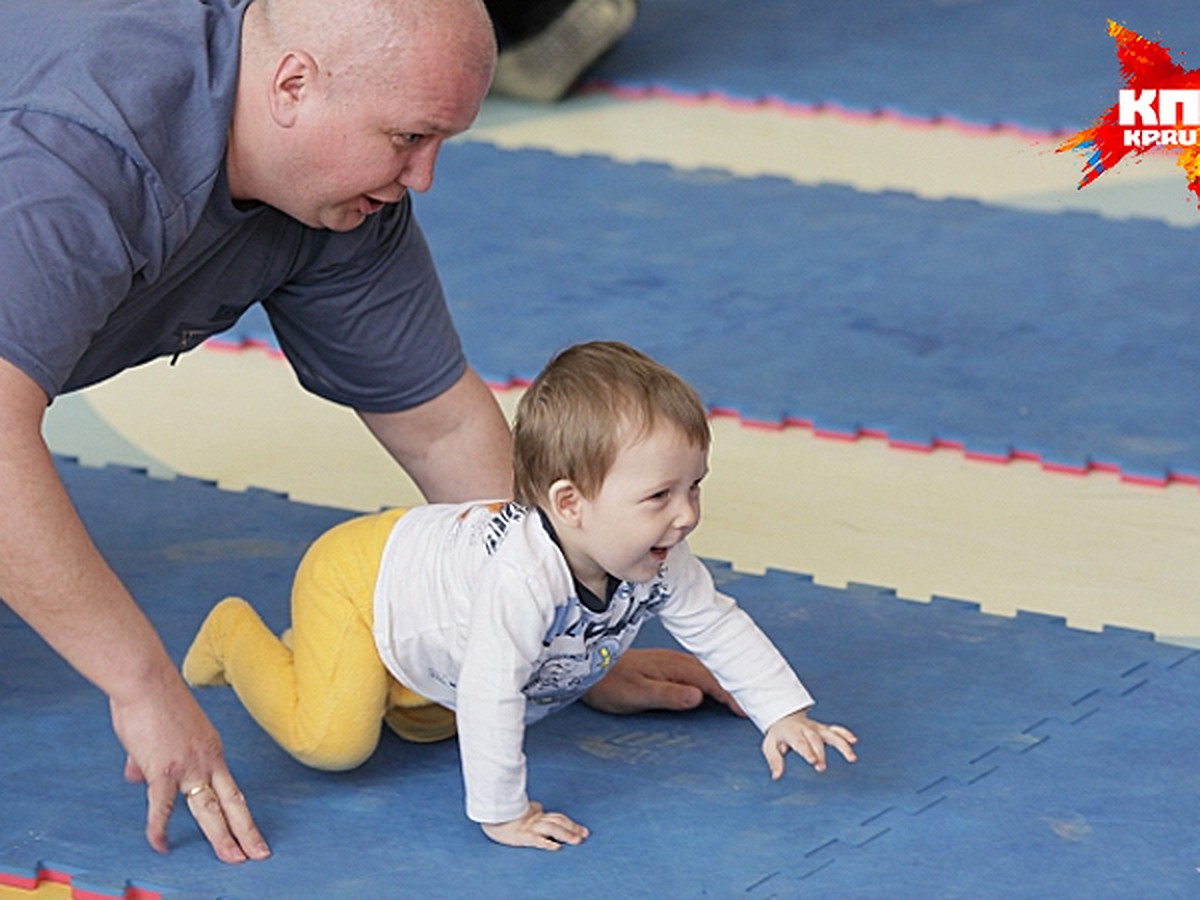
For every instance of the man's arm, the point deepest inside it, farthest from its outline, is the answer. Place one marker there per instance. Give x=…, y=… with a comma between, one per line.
x=53, y=577
x=456, y=447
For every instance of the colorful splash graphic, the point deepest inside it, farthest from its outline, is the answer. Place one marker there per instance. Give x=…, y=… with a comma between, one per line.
x=1158, y=110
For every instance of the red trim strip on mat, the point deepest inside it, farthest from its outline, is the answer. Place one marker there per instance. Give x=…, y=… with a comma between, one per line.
x=795, y=108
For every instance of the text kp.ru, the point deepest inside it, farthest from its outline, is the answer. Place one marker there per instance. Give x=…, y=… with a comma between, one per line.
x=1173, y=117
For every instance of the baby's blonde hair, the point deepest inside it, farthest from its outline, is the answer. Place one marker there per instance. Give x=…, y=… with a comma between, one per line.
x=586, y=402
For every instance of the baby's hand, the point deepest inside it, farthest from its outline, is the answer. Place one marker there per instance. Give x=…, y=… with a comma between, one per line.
x=537, y=828
x=808, y=738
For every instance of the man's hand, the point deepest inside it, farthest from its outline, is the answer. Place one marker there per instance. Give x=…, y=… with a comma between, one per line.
x=537, y=828
x=174, y=750
x=643, y=680
x=808, y=738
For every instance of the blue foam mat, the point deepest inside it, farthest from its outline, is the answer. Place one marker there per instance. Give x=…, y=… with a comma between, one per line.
x=679, y=804
x=1043, y=66
x=1069, y=336
x=1095, y=832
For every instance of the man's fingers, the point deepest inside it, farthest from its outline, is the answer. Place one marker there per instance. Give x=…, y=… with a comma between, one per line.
x=725, y=698
x=220, y=810
x=160, y=800
x=218, y=807
x=687, y=670
x=206, y=809
x=238, y=818
x=671, y=695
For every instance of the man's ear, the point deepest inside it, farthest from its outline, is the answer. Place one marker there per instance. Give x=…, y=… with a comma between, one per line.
x=566, y=502
x=294, y=79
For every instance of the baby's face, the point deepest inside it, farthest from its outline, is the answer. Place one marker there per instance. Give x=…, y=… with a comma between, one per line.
x=648, y=503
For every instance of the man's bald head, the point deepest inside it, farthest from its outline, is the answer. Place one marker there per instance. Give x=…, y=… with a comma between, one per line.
x=366, y=41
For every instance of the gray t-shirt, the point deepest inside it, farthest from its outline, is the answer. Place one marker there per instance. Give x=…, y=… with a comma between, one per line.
x=119, y=241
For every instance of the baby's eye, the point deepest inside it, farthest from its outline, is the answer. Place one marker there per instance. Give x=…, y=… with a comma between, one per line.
x=660, y=495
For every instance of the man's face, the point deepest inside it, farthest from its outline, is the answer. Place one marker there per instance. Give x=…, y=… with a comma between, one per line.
x=355, y=147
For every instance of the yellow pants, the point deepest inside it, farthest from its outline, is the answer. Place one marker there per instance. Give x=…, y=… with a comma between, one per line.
x=322, y=691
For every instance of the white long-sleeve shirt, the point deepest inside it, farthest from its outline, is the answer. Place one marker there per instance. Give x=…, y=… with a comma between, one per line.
x=476, y=609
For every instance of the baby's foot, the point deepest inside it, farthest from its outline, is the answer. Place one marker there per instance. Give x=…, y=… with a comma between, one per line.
x=203, y=666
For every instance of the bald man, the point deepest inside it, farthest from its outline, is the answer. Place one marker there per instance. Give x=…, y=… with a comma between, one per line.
x=166, y=164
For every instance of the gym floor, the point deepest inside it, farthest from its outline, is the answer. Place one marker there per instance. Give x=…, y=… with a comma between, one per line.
x=1102, y=550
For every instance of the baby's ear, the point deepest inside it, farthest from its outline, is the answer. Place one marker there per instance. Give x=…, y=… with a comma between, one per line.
x=565, y=502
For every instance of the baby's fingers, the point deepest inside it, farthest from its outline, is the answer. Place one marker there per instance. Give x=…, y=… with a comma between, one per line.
x=843, y=739
x=557, y=829
x=537, y=828
x=774, y=749
x=812, y=747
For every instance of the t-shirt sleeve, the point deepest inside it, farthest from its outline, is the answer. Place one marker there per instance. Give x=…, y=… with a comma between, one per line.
x=724, y=637
x=71, y=208
x=366, y=324
x=508, y=620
